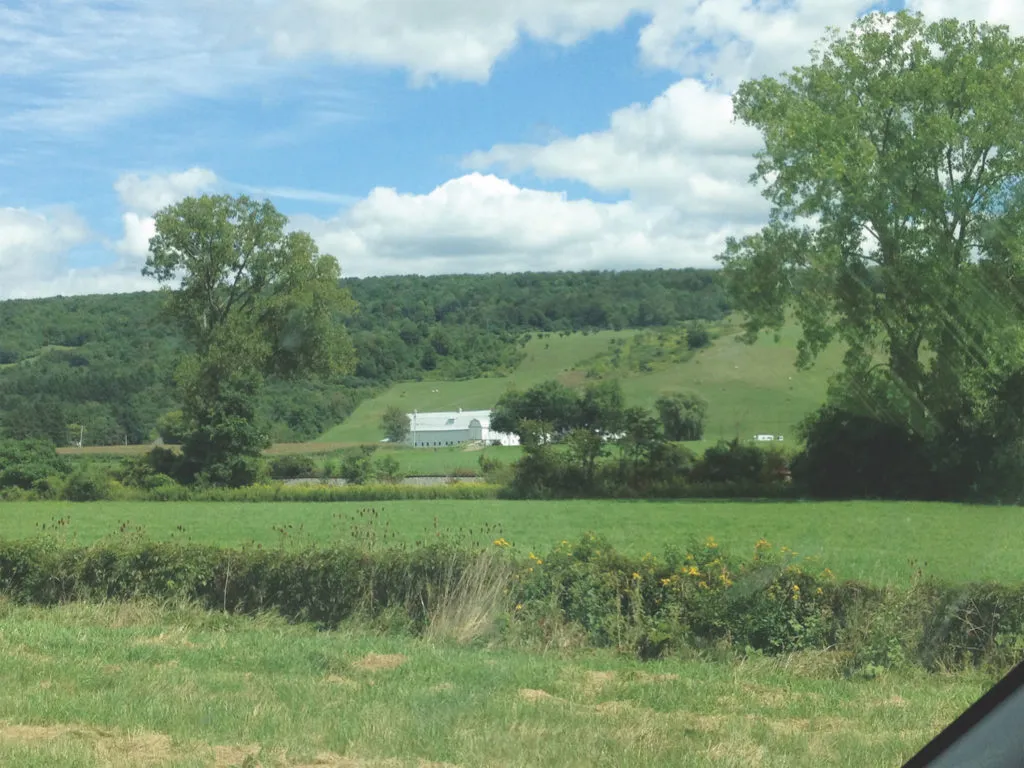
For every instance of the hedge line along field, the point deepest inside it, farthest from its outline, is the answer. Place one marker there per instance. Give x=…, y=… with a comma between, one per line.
x=91, y=685
x=877, y=542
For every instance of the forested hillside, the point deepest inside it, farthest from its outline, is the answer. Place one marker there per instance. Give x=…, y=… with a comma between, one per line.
x=106, y=363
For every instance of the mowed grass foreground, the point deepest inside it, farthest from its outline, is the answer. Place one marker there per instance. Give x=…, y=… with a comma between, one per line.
x=139, y=684
x=878, y=542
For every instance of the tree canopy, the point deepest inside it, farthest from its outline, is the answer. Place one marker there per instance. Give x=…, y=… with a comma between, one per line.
x=892, y=163
x=252, y=300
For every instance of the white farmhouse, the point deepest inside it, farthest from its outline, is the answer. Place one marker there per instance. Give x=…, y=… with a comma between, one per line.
x=445, y=428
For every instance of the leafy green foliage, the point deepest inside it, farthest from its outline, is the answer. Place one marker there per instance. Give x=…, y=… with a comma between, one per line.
x=682, y=415
x=905, y=132
x=87, y=484
x=769, y=603
x=252, y=300
x=25, y=463
x=848, y=456
x=292, y=466
x=394, y=423
x=357, y=465
x=77, y=359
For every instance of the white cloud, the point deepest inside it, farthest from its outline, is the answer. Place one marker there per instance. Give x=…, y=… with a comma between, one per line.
x=479, y=223
x=682, y=149
x=142, y=197
x=459, y=39
x=148, y=195
x=32, y=246
x=1009, y=12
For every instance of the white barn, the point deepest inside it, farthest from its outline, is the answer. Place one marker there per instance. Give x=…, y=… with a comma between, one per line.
x=446, y=428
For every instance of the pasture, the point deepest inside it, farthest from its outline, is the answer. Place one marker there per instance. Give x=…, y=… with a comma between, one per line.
x=139, y=684
x=878, y=542
x=749, y=389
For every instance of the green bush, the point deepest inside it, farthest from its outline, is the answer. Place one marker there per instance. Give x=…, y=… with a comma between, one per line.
x=25, y=462
x=87, y=484
x=698, y=598
x=290, y=467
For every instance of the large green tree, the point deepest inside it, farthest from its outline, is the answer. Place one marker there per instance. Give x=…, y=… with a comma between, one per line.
x=892, y=163
x=252, y=300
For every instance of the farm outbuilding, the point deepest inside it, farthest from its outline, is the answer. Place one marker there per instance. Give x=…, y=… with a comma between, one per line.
x=447, y=428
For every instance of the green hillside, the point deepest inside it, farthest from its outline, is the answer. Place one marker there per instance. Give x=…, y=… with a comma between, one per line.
x=545, y=357
x=75, y=360
x=750, y=389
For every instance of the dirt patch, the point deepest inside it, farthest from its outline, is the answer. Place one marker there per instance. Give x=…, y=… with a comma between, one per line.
x=139, y=748
x=348, y=682
x=377, y=662
x=533, y=694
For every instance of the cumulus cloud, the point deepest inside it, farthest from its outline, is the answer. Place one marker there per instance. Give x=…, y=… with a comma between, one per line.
x=32, y=246
x=144, y=196
x=682, y=149
x=478, y=223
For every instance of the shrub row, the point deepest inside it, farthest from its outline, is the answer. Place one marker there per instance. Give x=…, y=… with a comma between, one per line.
x=700, y=598
x=98, y=488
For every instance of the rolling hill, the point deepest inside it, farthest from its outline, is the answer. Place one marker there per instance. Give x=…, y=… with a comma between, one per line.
x=749, y=388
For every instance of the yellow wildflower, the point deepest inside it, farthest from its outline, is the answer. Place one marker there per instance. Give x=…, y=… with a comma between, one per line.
x=818, y=591
x=703, y=585
x=762, y=544
x=666, y=582
x=519, y=606
x=636, y=576
x=711, y=543
x=501, y=542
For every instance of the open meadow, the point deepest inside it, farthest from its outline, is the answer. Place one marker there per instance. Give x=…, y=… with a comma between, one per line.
x=139, y=684
x=749, y=389
x=878, y=542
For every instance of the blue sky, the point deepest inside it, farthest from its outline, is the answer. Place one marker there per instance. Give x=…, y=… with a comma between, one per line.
x=407, y=136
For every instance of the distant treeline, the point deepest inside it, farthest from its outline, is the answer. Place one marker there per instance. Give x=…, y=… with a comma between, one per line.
x=106, y=363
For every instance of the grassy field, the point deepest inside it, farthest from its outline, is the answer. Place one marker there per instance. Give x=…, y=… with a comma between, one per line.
x=136, y=684
x=863, y=540
x=749, y=389
x=413, y=461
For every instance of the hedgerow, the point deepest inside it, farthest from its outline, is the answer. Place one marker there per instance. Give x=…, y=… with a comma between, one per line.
x=772, y=602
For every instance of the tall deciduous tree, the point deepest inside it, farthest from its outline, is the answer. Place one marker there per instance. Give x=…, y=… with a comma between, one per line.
x=395, y=424
x=682, y=415
x=887, y=162
x=253, y=300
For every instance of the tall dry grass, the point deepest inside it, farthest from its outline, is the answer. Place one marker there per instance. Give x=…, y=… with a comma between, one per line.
x=469, y=602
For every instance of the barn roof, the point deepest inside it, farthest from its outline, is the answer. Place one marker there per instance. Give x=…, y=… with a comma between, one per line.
x=441, y=421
